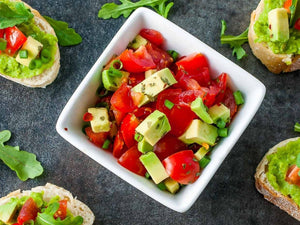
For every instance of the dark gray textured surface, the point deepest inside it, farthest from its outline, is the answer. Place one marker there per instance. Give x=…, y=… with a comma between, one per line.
x=230, y=197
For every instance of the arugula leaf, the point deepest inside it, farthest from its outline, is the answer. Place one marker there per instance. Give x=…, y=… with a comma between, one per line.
x=235, y=42
x=10, y=18
x=293, y=9
x=66, y=36
x=112, y=10
x=23, y=163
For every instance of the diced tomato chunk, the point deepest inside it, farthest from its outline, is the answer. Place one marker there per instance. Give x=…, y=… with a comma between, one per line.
x=131, y=161
x=97, y=138
x=160, y=57
x=292, y=175
x=128, y=125
x=193, y=63
x=121, y=99
x=153, y=36
x=62, y=210
x=229, y=102
x=15, y=39
x=297, y=24
x=87, y=117
x=119, y=148
x=137, y=61
x=28, y=211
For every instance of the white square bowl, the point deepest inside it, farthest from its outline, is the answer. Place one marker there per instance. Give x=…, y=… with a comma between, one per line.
x=179, y=40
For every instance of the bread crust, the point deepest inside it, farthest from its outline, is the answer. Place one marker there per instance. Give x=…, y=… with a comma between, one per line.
x=274, y=62
x=264, y=187
x=76, y=207
x=49, y=75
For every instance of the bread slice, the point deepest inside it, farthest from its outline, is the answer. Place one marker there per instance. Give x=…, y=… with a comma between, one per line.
x=264, y=187
x=274, y=62
x=49, y=75
x=76, y=207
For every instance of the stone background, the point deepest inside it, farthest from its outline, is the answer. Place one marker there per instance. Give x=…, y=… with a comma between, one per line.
x=230, y=197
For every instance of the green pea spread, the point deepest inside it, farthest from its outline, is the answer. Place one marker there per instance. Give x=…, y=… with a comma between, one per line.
x=292, y=46
x=279, y=164
x=9, y=66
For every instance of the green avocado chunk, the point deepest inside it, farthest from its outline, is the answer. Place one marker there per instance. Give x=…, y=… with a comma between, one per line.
x=137, y=42
x=144, y=146
x=154, y=167
x=111, y=82
x=279, y=25
x=219, y=111
x=8, y=210
x=200, y=132
x=154, y=127
x=199, y=108
x=279, y=163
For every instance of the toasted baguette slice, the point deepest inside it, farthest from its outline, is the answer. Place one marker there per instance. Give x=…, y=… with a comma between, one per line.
x=49, y=75
x=274, y=62
x=264, y=187
x=76, y=207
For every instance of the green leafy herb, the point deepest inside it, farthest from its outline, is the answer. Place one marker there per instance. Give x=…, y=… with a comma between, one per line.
x=23, y=163
x=10, y=18
x=297, y=127
x=293, y=8
x=46, y=218
x=66, y=36
x=112, y=10
x=235, y=42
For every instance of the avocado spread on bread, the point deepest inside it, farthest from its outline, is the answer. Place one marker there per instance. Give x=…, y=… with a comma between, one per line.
x=262, y=30
x=9, y=65
x=279, y=163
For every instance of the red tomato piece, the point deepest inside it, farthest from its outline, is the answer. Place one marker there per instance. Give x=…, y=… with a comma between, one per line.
x=87, y=117
x=142, y=112
x=187, y=97
x=297, y=24
x=137, y=61
x=168, y=94
x=128, y=125
x=211, y=95
x=119, y=115
x=189, y=84
x=153, y=36
x=167, y=146
x=221, y=83
x=160, y=57
x=121, y=99
x=15, y=39
x=287, y=4
x=28, y=211
x=131, y=161
x=180, y=118
x=62, y=210
x=193, y=63
x=136, y=78
x=118, y=148
x=1, y=33
x=202, y=77
x=292, y=175
x=182, y=167
x=97, y=138
x=229, y=102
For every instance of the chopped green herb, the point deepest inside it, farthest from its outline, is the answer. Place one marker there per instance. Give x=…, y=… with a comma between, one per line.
x=221, y=123
x=223, y=132
x=235, y=42
x=45, y=55
x=112, y=10
x=35, y=63
x=138, y=137
x=169, y=104
x=23, y=54
x=204, y=162
x=297, y=127
x=238, y=97
x=162, y=186
x=106, y=144
x=117, y=64
x=183, y=165
x=147, y=175
x=173, y=54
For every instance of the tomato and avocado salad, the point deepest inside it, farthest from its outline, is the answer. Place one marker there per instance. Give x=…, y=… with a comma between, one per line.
x=160, y=114
x=283, y=170
x=35, y=211
x=25, y=50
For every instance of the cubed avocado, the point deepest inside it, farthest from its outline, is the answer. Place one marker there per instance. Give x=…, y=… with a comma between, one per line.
x=137, y=42
x=171, y=185
x=153, y=85
x=100, y=121
x=154, y=167
x=219, y=111
x=8, y=210
x=144, y=146
x=154, y=127
x=279, y=25
x=199, y=108
x=201, y=153
x=200, y=132
x=150, y=72
x=112, y=83
x=33, y=47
